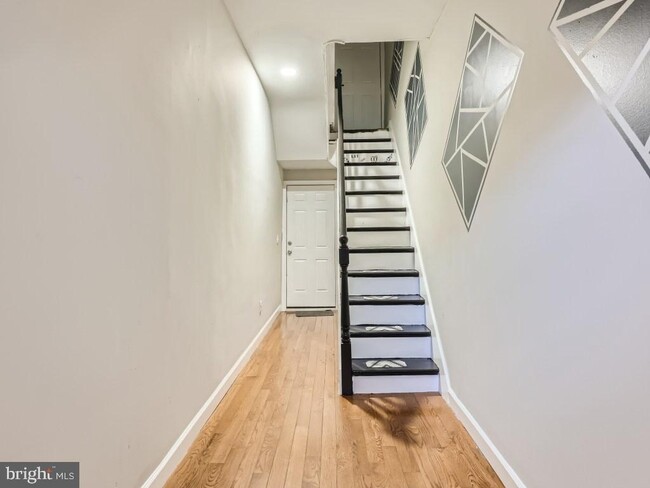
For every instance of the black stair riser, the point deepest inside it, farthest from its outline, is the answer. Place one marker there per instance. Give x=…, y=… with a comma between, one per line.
x=382, y=177
x=360, y=332
x=381, y=250
x=362, y=193
x=415, y=366
x=388, y=335
x=359, y=141
x=386, y=303
x=388, y=273
x=368, y=151
x=373, y=299
x=397, y=297
x=364, y=164
x=377, y=210
x=392, y=372
x=379, y=229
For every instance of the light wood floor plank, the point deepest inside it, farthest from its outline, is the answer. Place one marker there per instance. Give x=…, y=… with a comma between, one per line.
x=311, y=466
x=331, y=398
x=284, y=424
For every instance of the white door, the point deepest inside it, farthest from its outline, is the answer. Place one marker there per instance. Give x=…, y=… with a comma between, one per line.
x=362, y=90
x=311, y=237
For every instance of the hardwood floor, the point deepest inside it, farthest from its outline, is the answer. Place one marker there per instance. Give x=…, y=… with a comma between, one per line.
x=283, y=423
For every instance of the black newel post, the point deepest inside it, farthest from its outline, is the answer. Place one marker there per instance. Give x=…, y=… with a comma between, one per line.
x=346, y=347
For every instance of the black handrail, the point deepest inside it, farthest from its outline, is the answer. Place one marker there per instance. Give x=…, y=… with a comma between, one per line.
x=344, y=250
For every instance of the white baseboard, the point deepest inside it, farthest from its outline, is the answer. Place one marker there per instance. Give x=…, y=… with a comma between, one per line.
x=178, y=450
x=507, y=474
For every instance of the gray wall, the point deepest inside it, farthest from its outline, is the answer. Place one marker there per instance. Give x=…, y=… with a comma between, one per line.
x=542, y=305
x=140, y=202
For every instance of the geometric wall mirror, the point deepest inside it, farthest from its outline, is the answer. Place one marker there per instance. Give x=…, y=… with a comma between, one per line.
x=489, y=76
x=416, y=107
x=608, y=44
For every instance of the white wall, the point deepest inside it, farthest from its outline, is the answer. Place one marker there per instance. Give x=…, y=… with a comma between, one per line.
x=542, y=305
x=299, y=135
x=140, y=202
x=296, y=33
x=309, y=174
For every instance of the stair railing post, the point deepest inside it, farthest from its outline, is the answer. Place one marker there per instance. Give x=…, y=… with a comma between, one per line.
x=346, y=346
x=344, y=250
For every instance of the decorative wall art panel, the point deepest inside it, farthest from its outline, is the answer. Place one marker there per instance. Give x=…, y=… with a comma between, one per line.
x=416, y=106
x=608, y=44
x=488, y=80
x=396, y=69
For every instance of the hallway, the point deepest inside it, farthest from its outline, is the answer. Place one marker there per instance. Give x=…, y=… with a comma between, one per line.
x=283, y=423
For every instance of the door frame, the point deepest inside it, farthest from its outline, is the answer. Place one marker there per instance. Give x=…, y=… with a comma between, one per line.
x=285, y=185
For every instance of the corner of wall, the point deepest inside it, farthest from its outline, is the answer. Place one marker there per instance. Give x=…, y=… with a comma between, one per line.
x=506, y=472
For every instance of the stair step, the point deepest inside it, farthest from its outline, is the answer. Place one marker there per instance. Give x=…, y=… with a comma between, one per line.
x=393, y=346
x=382, y=163
x=371, y=169
x=373, y=184
x=387, y=314
x=382, y=250
x=379, y=177
x=376, y=219
x=394, y=367
x=382, y=257
x=376, y=234
x=384, y=300
x=368, y=151
x=384, y=273
x=375, y=209
x=390, y=330
x=375, y=199
x=402, y=281
x=379, y=139
x=374, y=192
x=397, y=228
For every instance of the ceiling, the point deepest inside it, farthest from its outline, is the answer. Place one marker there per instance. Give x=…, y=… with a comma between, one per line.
x=293, y=34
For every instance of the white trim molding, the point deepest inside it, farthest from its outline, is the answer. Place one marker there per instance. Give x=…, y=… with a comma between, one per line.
x=506, y=472
x=178, y=450
x=283, y=243
x=283, y=248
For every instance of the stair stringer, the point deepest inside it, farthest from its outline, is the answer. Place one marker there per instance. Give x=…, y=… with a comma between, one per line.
x=436, y=341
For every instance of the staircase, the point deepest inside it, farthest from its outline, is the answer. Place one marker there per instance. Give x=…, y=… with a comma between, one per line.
x=391, y=345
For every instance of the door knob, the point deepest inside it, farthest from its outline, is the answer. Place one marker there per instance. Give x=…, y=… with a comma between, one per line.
x=289, y=242
x=289, y=252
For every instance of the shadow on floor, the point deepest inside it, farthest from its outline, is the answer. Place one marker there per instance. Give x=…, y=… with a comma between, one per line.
x=398, y=416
